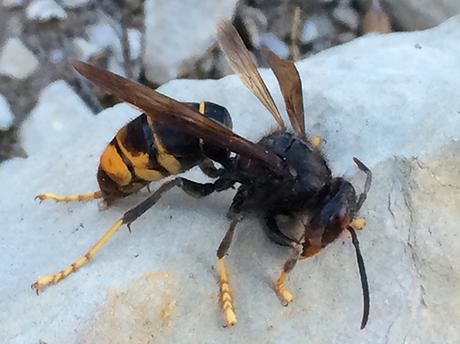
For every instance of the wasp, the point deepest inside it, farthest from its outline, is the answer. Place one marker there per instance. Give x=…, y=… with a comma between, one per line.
x=284, y=173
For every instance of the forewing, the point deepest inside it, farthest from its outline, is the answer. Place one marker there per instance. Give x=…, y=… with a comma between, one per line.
x=291, y=88
x=165, y=109
x=241, y=63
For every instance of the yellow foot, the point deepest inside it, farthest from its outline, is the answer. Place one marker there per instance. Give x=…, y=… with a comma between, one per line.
x=315, y=141
x=70, y=198
x=281, y=290
x=44, y=281
x=358, y=223
x=225, y=295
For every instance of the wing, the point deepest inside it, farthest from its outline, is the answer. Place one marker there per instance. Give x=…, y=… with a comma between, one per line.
x=241, y=63
x=291, y=88
x=165, y=109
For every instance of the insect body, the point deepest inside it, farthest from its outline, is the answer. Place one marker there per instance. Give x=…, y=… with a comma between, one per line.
x=144, y=151
x=282, y=174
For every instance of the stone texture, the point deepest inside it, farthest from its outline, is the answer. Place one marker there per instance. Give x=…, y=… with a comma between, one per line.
x=16, y=60
x=419, y=14
x=44, y=10
x=400, y=115
x=6, y=115
x=74, y=3
x=103, y=36
x=12, y=3
x=64, y=114
x=178, y=32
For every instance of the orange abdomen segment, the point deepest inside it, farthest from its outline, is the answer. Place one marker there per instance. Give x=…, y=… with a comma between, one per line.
x=112, y=163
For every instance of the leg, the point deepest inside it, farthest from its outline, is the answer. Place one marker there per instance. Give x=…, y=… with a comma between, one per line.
x=190, y=187
x=209, y=169
x=281, y=290
x=276, y=235
x=70, y=198
x=226, y=299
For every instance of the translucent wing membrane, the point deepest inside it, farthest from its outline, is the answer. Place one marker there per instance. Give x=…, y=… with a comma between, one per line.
x=291, y=88
x=241, y=63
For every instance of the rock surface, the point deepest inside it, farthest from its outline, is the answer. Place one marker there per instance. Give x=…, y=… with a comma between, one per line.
x=178, y=32
x=12, y=3
x=419, y=14
x=74, y=3
x=6, y=115
x=44, y=10
x=16, y=60
x=400, y=115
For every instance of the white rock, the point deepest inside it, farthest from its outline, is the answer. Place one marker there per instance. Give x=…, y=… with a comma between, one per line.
x=44, y=10
x=178, y=32
x=364, y=106
x=56, y=120
x=309, y=32
x=12, y=3
x=316, y=27
x=135, y=43
x=347, y=16
x=6, y=115
x=419, y=14
x=16, y=60
x=74, y=3
x=272, y=41
x=84, y=49
x=102, y=36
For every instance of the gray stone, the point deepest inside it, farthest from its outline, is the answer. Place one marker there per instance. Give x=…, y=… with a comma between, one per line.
x=419, y=14
x=6, y=115
x=16, y=60
x=400, y=115
x=12, y=3
x=74, y=3
x=45, y=10
x=178, y=32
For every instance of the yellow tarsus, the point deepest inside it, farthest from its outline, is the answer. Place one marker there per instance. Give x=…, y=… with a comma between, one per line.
x=70, y=198
x=46, y=280
x=358, y=223
x=225, y=294
x=281, y=290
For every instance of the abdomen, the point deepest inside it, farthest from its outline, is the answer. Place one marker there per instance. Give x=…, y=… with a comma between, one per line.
x=144, y=151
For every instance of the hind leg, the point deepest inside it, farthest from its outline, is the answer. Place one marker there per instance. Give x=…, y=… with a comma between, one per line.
x=190, y=187
x=70, y=198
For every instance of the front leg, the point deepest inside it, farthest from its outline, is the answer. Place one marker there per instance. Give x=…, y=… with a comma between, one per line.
x=275, y=234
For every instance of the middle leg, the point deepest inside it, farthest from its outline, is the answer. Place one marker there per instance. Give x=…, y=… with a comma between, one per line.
x=226, y=299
